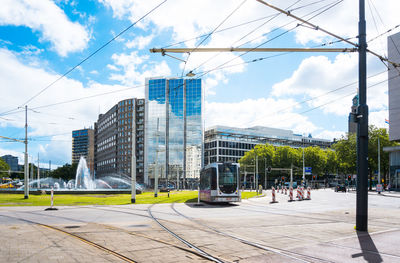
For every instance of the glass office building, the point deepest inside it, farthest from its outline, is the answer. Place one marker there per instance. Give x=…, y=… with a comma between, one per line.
x=173, y=130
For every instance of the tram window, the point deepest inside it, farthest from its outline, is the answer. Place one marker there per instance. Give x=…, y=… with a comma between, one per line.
x=213, y=178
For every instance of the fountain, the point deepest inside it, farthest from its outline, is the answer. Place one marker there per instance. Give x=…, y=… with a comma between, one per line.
x=85, y=182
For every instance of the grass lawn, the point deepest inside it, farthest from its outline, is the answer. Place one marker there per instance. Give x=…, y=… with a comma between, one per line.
x=103, y=199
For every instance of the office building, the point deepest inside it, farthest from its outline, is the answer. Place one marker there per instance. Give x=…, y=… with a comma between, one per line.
x=113, y=135
x=12, y=161
x=83, y=145
x=173, y=129
x=228, y=144
x=394, y=87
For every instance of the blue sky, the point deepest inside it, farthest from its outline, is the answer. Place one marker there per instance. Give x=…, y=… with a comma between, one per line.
x=41, y=40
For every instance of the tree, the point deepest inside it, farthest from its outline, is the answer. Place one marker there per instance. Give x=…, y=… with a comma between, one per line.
x=3, y=168
x=346, y=150
x=316, y=158
x=65, y=172
x=285, y=156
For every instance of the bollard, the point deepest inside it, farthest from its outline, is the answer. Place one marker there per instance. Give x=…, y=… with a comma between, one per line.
x=51, y=201
x=273, y=196
x=308, y=193
x=52, y=198
x=291, y=194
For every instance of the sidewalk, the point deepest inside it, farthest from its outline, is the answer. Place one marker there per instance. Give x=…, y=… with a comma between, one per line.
x=395, y=194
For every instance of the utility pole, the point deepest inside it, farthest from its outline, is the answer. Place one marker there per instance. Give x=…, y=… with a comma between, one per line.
x=38, y=172
x=379, y=160
x=362, y=126
x=133, y=159
x=26, y=171
x=256, y=177
x=304, y=172
x=156, y=163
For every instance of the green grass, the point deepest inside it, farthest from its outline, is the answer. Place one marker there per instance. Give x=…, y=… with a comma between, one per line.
x=103, y=199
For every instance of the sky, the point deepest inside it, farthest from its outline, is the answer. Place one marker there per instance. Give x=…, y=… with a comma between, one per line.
x=309, y=93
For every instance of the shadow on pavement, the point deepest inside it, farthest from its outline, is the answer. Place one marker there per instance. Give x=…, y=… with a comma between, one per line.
x=193, y=203
x=368, y=248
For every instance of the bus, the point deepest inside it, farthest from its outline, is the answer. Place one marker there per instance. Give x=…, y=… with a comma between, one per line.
x=219, y=182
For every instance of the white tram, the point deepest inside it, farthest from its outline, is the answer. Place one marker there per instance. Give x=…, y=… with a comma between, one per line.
x=219, y=182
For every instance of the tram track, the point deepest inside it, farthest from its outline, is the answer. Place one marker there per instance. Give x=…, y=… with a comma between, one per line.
x=204, y=253
x=281, y=252
x=84, y=240
x=190, y=250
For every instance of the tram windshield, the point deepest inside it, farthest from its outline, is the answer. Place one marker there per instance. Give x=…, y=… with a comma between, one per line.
x=227, y=180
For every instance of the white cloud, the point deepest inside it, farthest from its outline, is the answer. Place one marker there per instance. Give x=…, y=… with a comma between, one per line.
x=259, y=112
x=140, y=42
x=45, y=16
x=135, y=68
x=21, y=81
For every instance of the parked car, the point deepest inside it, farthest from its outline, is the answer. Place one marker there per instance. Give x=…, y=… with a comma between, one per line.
x=340, y=188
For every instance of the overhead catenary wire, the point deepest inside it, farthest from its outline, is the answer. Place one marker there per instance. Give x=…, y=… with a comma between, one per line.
x=313, y=98
x=207, y=36
x=90, y=55
x=329, y=33
x=269, y=40
x=249, y=33
x=339, y=98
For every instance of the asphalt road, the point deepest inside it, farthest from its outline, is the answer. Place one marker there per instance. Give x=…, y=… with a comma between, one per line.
x=318, y=230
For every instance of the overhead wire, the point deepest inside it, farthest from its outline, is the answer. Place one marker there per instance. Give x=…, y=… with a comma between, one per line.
x=334, y=100
x=313, y=98
x=204, y=39
x=279, y=35
x=249, y=33
x=89, y=56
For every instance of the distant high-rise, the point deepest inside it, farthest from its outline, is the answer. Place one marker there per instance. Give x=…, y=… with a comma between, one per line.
x=394, y=87
x=12, y=161
x=113, y=134
x=173, y=129
x=352, y=123
x=83, y=145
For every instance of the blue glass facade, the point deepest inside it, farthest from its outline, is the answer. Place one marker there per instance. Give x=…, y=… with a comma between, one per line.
x=174, y=125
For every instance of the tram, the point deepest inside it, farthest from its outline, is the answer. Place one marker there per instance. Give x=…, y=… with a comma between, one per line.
x=219, y=182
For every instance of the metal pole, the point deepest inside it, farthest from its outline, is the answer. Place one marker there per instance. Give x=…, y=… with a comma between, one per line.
x=156, y=163
x=177, y=178
x=291, y=175
x=26, y=175
x=38, y=171
x=379, y=161
x=133, y=158
x=265, y=177
x=362, y=127
x=256, y=177
x=304, y=172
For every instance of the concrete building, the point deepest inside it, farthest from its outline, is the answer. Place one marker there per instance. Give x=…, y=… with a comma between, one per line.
x=12, y=161
x=83, y=145
x=173, y=128
x=113, y=134
x=394, y=87
x=228, y=144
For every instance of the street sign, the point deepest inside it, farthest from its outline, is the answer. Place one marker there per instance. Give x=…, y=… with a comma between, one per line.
x=307, y=170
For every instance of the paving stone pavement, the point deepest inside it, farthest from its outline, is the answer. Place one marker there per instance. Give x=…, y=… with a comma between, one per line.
x=320, y=230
